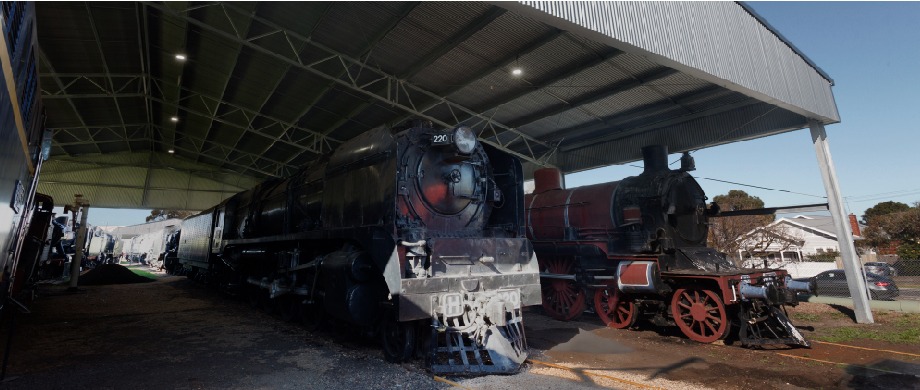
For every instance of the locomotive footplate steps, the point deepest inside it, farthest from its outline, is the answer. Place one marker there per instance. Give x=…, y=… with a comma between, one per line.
x=486, y=338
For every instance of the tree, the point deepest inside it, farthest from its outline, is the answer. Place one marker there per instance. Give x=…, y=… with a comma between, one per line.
x=902, y=227
x=883, y=208
x=161, y=214
x=766, y=240
x=724, y=233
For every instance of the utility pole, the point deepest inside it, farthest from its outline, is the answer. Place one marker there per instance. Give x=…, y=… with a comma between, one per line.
x=82, y=206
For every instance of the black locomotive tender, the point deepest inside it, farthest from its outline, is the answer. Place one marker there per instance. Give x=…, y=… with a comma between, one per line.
x=416, y=233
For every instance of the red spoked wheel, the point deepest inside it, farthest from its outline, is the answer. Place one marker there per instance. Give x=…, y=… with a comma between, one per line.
x=562, y=299
x=614, y=308
x=700, y=314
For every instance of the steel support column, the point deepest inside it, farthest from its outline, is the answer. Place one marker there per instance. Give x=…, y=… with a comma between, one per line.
x=851, y=266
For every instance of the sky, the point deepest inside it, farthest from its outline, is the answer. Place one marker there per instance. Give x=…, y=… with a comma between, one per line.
x=872, y=52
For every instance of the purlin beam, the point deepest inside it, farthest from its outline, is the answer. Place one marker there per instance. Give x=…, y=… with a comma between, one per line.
x=597, y=95
x=364, y=53
x=60, y=85
x=502, y=63
x=217, y=174
x=315, y=142
x=465, y=33
x=371, y=77
x=278, y=83
x=105, y=67
x=633, y=130
x=223, y=93
x=553, y=78
x=227, y=150
x=143, y=40
x=150, y=188
x=140, y=134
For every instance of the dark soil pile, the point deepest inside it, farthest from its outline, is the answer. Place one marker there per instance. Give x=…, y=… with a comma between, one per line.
x=111, y=274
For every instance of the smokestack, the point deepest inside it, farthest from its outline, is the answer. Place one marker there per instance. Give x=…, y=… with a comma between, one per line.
x=546, y=179
x=854, y=225
x=655, y=158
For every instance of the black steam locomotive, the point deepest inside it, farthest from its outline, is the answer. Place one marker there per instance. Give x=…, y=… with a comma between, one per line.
x=639, y=245
x=417, y=233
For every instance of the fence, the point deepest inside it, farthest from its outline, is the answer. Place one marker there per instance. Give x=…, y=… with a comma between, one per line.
x=892, y=279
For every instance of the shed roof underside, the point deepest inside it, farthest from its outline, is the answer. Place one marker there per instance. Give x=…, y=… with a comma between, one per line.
x=269, y=87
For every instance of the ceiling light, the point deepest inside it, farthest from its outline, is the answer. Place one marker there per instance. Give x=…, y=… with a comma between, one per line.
x=171, y=151
x=516, y=71
x=174, y=118
x=180, y=57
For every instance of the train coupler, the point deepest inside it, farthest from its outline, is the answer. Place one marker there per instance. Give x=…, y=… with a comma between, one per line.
x=484, y=336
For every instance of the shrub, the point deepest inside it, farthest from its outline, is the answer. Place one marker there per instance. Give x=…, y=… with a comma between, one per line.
x=826, y=257
x=909, y=250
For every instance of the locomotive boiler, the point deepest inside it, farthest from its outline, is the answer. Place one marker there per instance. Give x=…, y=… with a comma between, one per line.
x=416, y=233
x=639, y=246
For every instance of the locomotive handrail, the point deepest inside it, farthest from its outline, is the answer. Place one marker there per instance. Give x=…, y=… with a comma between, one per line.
x=556, y=276
x=774, y=210
x=557, y=206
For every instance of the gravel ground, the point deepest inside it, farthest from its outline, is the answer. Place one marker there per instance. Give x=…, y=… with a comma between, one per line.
x=176, y=334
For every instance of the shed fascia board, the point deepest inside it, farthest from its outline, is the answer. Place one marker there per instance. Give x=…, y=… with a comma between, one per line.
x=750, y=59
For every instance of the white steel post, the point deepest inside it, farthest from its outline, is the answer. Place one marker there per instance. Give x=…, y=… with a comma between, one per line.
x=77, y=259
x=855, y=280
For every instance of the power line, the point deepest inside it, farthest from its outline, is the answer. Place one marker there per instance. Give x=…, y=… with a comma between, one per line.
x=859, y=198
x=763, y=188
x=885, y=197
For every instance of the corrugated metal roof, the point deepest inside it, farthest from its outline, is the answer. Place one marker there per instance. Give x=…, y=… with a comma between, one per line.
x=270, y=86
x=716, y=41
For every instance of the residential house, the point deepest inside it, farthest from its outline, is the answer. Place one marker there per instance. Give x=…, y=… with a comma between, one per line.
x=794, y=239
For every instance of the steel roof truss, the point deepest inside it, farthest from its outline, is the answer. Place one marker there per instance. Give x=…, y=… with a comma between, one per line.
x=352, y=84
x=318, y=144
x=61, y=87
x=365, y=54
x=236, y=63
x=199, y=144
x=105, y=66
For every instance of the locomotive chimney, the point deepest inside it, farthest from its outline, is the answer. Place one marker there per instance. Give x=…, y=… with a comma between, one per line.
x=655, y=158
x=546, y=179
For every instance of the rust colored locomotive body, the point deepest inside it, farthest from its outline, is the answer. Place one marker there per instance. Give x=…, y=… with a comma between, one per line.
x=639, y=246
x=415, y=234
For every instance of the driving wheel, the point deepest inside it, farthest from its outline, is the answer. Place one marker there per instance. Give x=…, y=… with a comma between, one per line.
x=700, y=314
x=614, y=308
x=562, y=299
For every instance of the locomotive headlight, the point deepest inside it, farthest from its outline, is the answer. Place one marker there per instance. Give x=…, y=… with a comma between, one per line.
x=465, y=139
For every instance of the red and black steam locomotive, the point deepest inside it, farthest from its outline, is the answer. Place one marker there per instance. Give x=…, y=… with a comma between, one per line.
x=417, y=234
x=639, y=245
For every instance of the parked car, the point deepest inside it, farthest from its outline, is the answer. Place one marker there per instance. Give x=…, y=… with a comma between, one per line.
x=834, y=283
x=881, y=269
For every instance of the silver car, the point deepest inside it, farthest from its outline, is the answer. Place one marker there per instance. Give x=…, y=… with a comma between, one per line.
x=881, y=269
x=834, y=283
